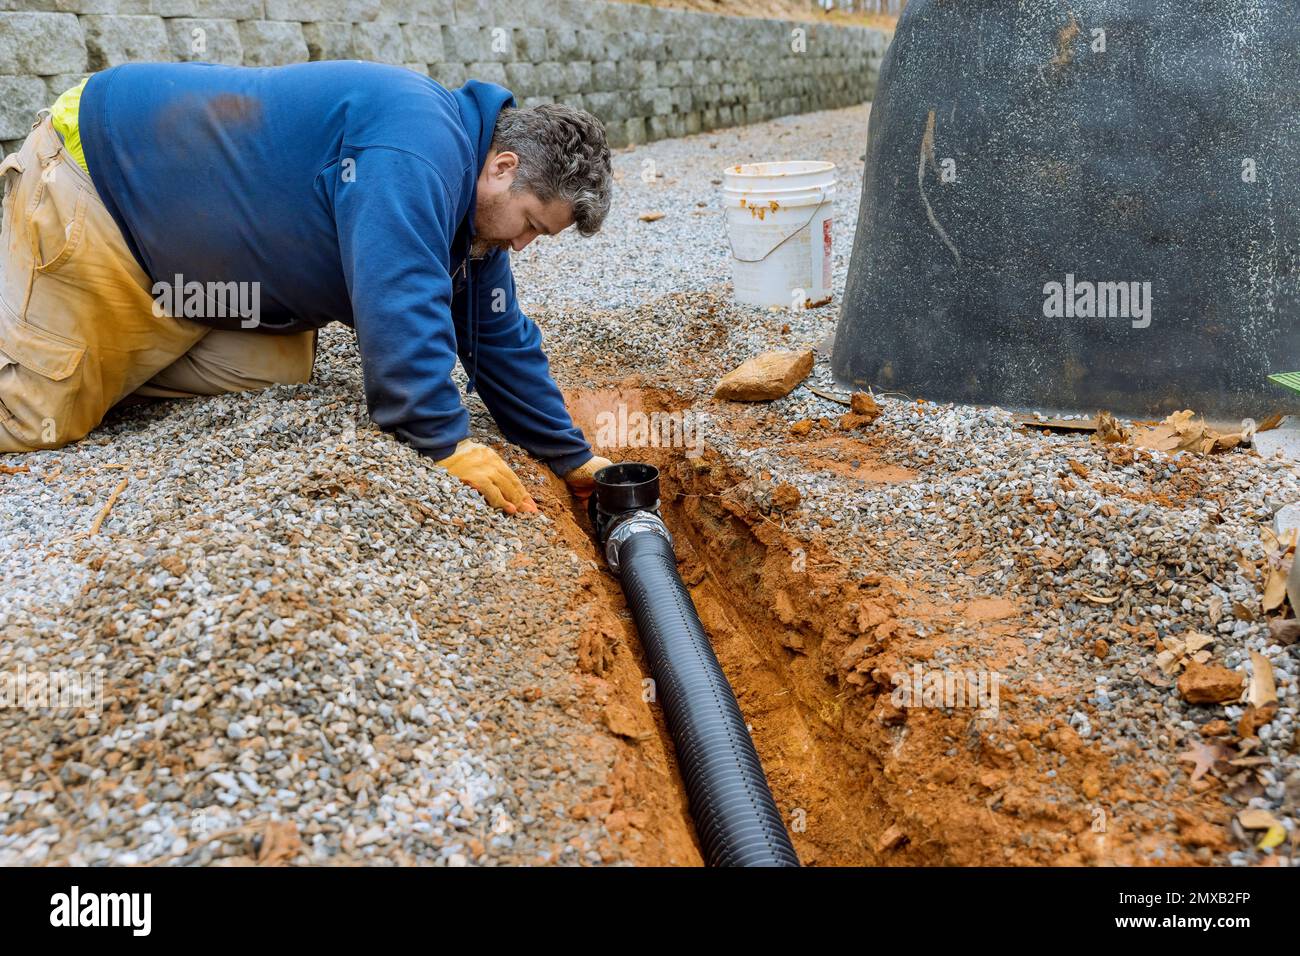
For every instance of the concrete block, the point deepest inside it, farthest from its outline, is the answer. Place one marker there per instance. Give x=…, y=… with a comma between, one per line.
x=467, y=44
x=423, y=42
x=530, y=44
x=591, y=45
x=429, y=12
x=169, y=8
x=488, y=71
x=41, y=43
x=21, y=97
x=578, y=76
x=562, y=42
x=551, y=77
x=272, y=43
x=306, y=11
x=450, y=75
x=379, y=42
x=605, y=76
x=521, y=79
x=329, y=40
x=634, y=130
x=647, y=73
x=60, y=83
x=207, y=41
x=233, y=9
x=610, y=108
x=540, y=13
x=111, y=41
x=578, y=13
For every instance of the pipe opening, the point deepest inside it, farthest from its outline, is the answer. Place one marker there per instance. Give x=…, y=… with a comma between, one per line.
x=628, y=486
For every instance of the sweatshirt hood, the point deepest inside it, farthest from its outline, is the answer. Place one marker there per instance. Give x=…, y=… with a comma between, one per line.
x=479, y=104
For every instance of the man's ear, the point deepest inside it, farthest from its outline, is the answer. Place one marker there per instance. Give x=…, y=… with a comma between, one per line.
x=503, y=164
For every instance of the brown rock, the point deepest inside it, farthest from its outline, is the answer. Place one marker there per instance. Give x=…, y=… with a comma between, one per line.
x=765, y=377
x=783, y=607
x=1216, y=728
x=801, y=427
x=891, y=839
x=849, y=421
x=785, y=497
x=889, y=713
x=621, y=721
x=1091, y=785
x=1194, y=831
x=861, y=403
x=1209, y=684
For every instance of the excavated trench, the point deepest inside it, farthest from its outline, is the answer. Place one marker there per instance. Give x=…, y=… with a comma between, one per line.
x=812, y=645
x=766, y=603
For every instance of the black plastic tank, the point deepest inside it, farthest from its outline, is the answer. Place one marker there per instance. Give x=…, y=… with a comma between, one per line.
x=1082, y=206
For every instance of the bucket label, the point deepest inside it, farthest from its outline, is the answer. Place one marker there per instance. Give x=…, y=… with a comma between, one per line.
x=826, y=254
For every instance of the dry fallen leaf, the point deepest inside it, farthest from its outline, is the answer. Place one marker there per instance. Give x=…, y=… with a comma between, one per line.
x=1181, y=431
x=1110, y=430
x=1275, y=589
x=1100, y=599
x=1274, y=546
x=1274, y=837
x=1205, y=756
x=1284, y=632
x=1263, y=691
x=653, y=216
x=1178, y=649
x=280, y=843
x=1253, y=819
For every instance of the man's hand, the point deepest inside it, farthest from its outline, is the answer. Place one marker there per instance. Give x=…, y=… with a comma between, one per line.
x=582, y=480
x=482, y=469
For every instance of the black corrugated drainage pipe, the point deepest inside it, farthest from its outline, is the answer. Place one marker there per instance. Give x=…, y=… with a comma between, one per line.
x=735, y=816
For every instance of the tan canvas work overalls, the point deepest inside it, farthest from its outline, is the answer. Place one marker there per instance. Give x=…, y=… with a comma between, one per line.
x=78, y=329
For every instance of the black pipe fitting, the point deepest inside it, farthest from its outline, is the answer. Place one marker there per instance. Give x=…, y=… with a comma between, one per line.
x=735, y=816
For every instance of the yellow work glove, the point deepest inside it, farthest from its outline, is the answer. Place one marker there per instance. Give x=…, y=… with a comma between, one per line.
x=582, y=480
x=483, y=469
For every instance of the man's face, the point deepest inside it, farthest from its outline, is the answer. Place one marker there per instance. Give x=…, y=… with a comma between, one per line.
x=511, y=220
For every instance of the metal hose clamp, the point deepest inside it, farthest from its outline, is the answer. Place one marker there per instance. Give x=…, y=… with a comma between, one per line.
x=633, y=523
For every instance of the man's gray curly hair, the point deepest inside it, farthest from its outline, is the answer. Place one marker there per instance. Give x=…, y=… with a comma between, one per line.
x=562, y=155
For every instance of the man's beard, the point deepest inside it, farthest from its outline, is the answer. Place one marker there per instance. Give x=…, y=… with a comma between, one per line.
x=485, y=218
x=480, y=247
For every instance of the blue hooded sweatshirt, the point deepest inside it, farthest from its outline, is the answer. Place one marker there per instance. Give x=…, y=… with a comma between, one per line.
x=346, y=190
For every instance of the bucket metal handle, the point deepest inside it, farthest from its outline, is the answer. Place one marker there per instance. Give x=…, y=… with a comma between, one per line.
x=727, y=224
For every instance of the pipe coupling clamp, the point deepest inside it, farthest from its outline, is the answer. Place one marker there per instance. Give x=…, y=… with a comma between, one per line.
x=634, y=522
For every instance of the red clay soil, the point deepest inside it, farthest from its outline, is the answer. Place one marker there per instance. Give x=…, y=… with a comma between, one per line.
x=809, y=645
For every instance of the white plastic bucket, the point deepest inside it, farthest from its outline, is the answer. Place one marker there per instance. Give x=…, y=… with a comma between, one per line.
x=778, y=218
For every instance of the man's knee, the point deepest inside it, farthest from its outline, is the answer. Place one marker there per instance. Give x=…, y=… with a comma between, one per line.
x=288, y=359
x=236, y=361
